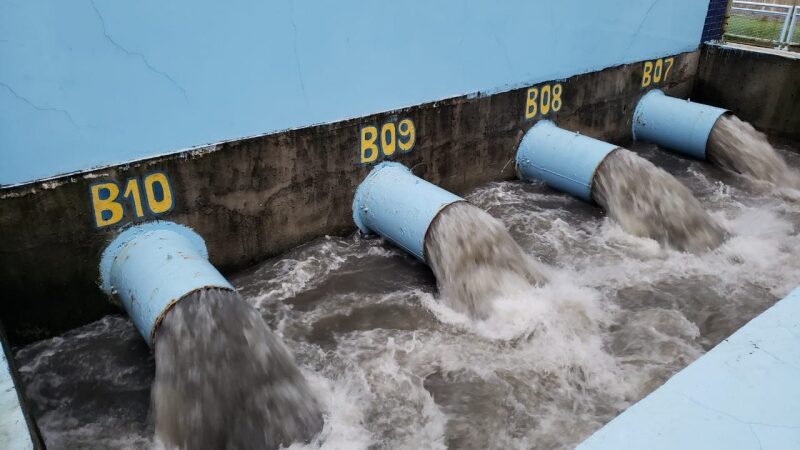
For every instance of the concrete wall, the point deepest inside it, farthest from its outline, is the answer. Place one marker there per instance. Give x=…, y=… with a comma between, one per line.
x=761, y=86
x=260, y=196
x=97, y=82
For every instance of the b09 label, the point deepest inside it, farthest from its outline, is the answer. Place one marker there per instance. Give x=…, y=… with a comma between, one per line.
x=391, y=137
x=542, y=100
x=656, y=71
x=111, y=203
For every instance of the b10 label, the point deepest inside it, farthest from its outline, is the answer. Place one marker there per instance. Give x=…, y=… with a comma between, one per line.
x=111, y=203
x=391, y=137
x=542, y=100
x=656, y=71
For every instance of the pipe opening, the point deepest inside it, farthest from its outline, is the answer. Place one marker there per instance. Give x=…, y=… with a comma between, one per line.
x=473, y=257
x=223, y=379
x=714, y=134
x=644, y=200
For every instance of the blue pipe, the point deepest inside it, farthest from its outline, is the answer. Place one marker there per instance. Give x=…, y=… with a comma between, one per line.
x=676, y=124
x=565, y=160
x=150, y=267
x=396, y=204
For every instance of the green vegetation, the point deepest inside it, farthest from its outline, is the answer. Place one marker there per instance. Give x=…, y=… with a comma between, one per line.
x=761, y=29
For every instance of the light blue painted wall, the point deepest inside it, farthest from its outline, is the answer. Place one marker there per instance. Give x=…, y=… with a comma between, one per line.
x=86, y=83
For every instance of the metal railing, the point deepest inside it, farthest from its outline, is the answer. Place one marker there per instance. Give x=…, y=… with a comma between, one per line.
x=764, y=23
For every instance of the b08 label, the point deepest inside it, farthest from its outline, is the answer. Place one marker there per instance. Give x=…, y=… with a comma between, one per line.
x=656, y=72
x=135, y=198
x=387, y=139
x=543, y=100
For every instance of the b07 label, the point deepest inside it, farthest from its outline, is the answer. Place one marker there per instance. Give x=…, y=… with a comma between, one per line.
x=543, y=99
x=135, y=198
x=387, y=139
x=656, y=72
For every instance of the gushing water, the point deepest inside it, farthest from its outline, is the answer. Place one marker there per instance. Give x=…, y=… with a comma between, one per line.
x=223, y=380
x=735, y=145
x=394, y=367
x=649, y=202
x=475, y=260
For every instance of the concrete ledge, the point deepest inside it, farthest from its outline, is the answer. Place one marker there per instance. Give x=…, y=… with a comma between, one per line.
x=743, y=394
x=762, y=86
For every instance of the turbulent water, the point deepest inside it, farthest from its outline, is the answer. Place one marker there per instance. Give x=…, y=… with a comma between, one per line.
x=475, y=260
x=394, y=367
x=224, y=381
x=649, y=202
x=735, y=145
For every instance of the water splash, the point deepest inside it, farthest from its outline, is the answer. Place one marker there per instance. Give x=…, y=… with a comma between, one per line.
x=618, y=316
x=510, y=319
x=475, y=259
x=224, y=380
x=649, y=202
x=735, y=145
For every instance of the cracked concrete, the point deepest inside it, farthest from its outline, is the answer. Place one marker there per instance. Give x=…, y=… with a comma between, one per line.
x=37, y=107
x=297, y=55
x=639, y=29
x=502, y=46
x=138, y=55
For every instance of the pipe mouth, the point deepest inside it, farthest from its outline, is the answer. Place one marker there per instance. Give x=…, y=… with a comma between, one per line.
x=726, y=113
x=394, y=203
x=597, y=169
x=564, y=160
x=148, y=268
x=130, y=233
x=430, y=227
x=674, y=123
x=170, y=305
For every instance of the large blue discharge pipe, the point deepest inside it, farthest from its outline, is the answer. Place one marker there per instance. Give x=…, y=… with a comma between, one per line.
x=564, y=160
x=150, y=267
x=676, y=124
x=396, y=204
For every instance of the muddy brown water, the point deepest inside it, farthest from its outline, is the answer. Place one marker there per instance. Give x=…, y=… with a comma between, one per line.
x=394, y=367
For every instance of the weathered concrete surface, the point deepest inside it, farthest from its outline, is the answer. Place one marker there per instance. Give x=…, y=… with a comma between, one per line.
x=261, y=196
x=761, y=86
x=743, y=394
